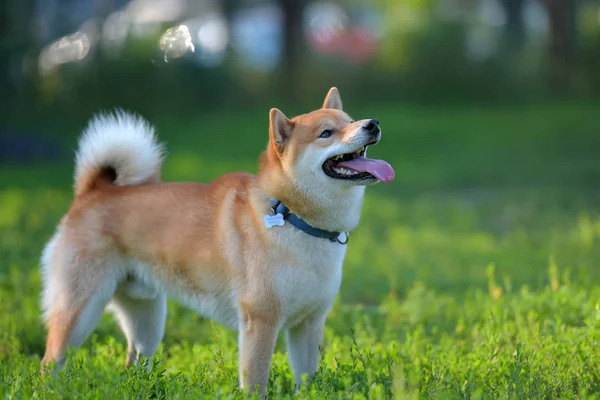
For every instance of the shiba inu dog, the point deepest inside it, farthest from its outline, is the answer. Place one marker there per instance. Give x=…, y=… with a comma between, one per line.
x=258, y=254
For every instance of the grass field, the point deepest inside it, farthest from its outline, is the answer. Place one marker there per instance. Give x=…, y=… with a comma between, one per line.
x=475, y=274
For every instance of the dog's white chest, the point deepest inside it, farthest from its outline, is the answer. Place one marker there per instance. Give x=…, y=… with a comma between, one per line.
x=309, y=285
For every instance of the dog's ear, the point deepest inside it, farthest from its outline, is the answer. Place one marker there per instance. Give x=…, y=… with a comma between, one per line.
x=280, y=127
x=333, y=99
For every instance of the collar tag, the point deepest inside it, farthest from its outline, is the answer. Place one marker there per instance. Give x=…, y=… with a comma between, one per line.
x=274, y=220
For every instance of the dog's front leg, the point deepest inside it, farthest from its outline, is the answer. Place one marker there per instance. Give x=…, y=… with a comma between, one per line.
x=257, y=337
x=303, y=341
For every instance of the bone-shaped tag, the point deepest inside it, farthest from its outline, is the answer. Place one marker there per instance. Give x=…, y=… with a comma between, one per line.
x=274, y=220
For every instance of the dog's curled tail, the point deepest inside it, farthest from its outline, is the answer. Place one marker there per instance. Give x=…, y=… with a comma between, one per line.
x=118, y=148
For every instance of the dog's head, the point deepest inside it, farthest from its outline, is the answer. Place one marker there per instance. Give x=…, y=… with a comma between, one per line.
x=326, y=146
x=317, y=163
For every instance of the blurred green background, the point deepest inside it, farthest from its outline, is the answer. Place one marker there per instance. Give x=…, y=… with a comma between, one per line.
x=191, y=56
x=489, y=109
x=490, y=117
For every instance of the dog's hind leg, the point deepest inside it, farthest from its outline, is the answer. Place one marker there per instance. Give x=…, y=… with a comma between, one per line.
x=141, y=311
x=74, y=314
x=76, y=292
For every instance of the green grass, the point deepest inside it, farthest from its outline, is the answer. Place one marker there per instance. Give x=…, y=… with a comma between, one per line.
x=473, y=275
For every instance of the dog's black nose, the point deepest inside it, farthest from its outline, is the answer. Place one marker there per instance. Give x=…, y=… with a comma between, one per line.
x=372, y=126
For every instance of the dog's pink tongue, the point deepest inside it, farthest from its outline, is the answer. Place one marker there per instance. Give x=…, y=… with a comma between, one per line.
x=378, y=168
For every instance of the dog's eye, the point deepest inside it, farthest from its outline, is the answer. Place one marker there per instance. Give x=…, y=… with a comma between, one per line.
x=326, y=133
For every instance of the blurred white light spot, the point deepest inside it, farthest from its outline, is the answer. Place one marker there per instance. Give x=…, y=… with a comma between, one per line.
x=176, y=42
x=481, y=44
x=67, y=49
x=115, y=30
x=153, y=11
x=257, y=36
x=212, y=34
x=324, y=21
x=536, y=19
x=91, y=28
x=212, y=38
x=492, y=13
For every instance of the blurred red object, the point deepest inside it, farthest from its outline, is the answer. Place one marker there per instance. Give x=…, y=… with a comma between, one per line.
x=357, y=45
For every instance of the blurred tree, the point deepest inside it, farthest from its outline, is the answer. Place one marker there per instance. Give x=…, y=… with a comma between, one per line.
x=562, y=41
x=229, y=7
x=16, y=20
x=514, y=29
x=4, y=43
x=293, y=44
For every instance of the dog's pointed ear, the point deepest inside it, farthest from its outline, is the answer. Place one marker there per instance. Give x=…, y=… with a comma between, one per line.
x=280, y=127
x=333, y=99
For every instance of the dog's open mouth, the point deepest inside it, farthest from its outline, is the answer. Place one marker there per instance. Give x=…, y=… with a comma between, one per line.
x=357, y=167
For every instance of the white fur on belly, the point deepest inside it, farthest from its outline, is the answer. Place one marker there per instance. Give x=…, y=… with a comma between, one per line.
x=217, y=302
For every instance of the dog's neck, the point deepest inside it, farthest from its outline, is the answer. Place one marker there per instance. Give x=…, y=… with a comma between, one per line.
x=338, y=210
x=332, y=209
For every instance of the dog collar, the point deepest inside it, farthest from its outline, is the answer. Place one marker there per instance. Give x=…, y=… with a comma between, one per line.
x=278, y=208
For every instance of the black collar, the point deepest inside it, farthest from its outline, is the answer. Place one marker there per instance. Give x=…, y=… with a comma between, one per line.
x=277, y=207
